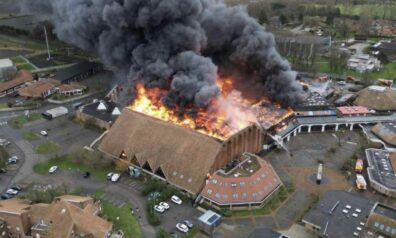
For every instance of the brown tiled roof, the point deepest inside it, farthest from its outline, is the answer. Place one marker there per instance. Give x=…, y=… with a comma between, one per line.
x=226, y=190
x=184, y=156
x=22, y=77
x=16, y=206
x=70, y=87
x=36, y=89
x=377, y=100
x=64, y=217
x=386, y=132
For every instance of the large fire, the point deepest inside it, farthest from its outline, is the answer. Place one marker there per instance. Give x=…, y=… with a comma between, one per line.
x=225, y=116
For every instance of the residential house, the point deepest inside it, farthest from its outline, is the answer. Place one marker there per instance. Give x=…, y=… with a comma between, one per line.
x=71, y=89
x=21, y=79
x=68, y=216
x=40, y=89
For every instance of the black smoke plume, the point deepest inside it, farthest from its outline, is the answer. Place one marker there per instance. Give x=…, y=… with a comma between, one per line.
x=180, y=45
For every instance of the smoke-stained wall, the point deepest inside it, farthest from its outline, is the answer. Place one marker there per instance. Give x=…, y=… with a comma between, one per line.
x=180, y=45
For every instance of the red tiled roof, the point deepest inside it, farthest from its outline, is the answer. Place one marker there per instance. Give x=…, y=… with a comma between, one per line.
x=227, y=190
x=36, y=89
x=70, y=87
x=22, y=77
x=352, y=110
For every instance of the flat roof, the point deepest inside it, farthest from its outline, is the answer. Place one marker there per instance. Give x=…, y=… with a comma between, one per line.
x=350, y=110
x=333, y=214
x=5, y=63
x=385, y=210
x=380, y=168
x=209, y=217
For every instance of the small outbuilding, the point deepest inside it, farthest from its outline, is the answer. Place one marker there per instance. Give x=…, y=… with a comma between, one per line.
x=208, y=221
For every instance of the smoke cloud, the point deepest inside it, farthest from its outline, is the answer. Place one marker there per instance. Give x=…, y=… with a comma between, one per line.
x=179, y=45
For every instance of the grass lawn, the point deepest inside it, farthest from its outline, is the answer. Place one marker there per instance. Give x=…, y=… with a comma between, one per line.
x=65, y=163
x=30, y=135
x=126, y=222
x=3, y=105
x=18, y=60
x=47, y=148
x=19, y=121
x=25, y=67
x=389, y=71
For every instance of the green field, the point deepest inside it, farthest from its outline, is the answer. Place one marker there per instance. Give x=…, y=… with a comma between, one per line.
x=373, y=10
x=19, y=121
x=3, y=105
x=18, y=60
x=70, y=163
x=30, y=135
x=25, y=67
x=389, y=71
x=125, y=222
x=47, y=148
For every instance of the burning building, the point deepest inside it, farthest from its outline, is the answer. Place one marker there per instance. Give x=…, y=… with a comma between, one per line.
x=182, y=156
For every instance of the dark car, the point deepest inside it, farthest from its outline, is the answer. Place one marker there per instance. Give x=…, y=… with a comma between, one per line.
x=16, y=187
x=3, y=171
x=5, y=196
x=188, y=224
x=87, y=174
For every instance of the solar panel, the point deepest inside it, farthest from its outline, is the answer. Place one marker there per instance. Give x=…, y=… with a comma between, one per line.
x=213, y=218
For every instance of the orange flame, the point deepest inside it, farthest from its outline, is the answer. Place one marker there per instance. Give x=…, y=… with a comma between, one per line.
x=225, y=116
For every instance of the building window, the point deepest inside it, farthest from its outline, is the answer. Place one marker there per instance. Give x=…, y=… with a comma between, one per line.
x=209, y=191
x=376, y=224
x=217, y=195
x=242, y=184
x=382, y=226
x=254, y=195
x=388, y=229
x=189, y=180
x=174, y=173
x=235, y=195
x=225, y=196
x=244, y=195
x=393, y=231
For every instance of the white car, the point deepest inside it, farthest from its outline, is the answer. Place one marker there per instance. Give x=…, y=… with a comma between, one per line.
x=164, y=205
x=159, y=208
x=12, y=191
x=43, y=133
x=109, y=175
x=115, y=177
x=182, y=227
x=176, y=199
x=53, y=169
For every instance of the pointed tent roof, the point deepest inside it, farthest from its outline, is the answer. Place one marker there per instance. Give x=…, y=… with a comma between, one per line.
x=184, y=156
x=101, y=106
x=116, y=112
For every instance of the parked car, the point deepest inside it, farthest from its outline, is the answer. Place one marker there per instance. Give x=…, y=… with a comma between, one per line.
x=175, y=199
x=5, y=196
x=164, y=205
x=4, y=142
x=53, y=169
x=87, y=174
x=188, y=224
x=109, y=175
x=115, y=177
x=3, y=171
x=12, y=191
x=182, y=227
x=16, y=187
x=13, y=160
x=43, y=133
x=159, y=208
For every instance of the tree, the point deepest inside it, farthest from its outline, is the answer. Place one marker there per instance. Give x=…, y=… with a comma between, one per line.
x=283, y=19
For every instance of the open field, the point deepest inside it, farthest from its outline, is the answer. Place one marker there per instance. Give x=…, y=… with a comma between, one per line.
x=19, y=121
x=389, y=71
x=47, y=148
x=122, y=219
x=70, y=162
